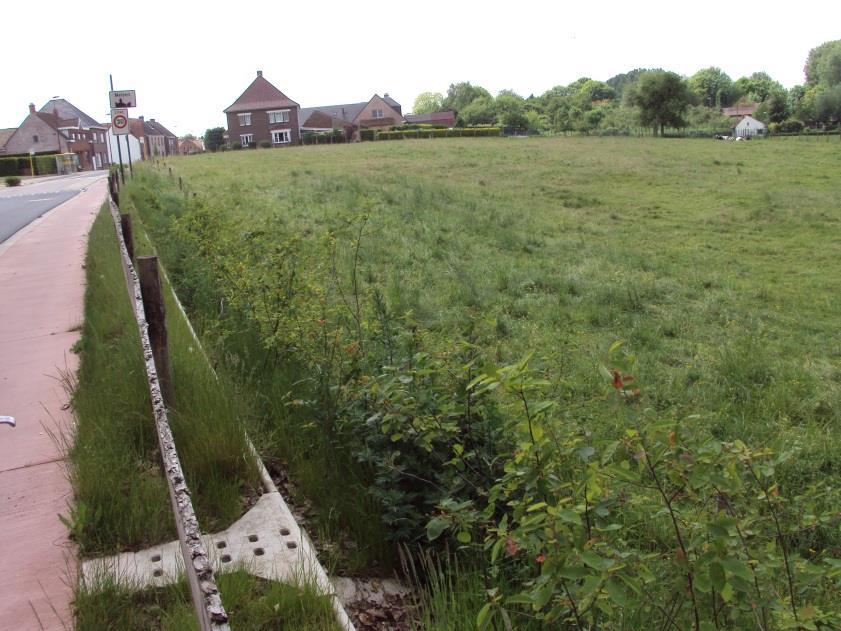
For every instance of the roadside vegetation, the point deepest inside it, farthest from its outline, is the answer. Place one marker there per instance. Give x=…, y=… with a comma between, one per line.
x=602, y=370
x=121, y=498
x=251, y=603
x=122, y=502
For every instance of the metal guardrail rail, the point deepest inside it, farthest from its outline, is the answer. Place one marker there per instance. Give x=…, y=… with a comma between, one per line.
x=207, y=600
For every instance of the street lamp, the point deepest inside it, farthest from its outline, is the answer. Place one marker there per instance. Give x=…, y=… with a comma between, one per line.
x=31, y=163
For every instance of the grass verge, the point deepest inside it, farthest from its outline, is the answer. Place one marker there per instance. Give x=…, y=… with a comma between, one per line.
x=122, y=501
x=252, y=603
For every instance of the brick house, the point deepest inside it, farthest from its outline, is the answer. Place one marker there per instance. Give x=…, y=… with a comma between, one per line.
x=263, y=114
x=445, y=118
x=60, y=127
x=377, y=112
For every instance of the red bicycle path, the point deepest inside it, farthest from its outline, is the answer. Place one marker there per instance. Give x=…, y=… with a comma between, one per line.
x=42, y=285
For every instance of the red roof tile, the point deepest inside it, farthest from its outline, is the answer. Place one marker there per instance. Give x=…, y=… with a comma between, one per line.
x=260, y=95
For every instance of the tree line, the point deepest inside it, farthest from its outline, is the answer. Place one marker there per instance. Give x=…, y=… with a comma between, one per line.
x=656, y=99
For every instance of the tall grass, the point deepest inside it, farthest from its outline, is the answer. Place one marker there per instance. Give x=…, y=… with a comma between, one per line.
x=121, y=498
x=713, y=262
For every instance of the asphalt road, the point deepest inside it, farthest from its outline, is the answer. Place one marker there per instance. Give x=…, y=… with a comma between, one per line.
x=21, y=205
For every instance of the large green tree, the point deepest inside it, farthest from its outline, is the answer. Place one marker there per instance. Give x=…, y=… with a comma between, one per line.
x=712, y=87
x=661, y=99
x=823, y=65
x=427, y=102
x=511, y=110
x=460, y=95
x=214, y=138
x=480, y=111
x=758, y=87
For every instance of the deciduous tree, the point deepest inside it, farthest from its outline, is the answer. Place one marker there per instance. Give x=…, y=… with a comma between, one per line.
x=214, y=138
x=427, y=102
x=661, y=98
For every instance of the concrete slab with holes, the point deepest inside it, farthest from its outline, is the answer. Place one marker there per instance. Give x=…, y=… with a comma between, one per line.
x=266, y=542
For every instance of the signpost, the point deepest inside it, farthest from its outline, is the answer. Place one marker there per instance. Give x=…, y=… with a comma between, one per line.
x=119, y=121
x=121, y=100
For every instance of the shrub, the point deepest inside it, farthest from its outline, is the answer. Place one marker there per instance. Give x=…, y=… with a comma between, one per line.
x=236, y=145
x=265, y=144
x=791, y=126
x=366, y=134
x=12, y=180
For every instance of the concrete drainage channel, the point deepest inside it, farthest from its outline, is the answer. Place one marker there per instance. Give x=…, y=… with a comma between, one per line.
x=266, y=542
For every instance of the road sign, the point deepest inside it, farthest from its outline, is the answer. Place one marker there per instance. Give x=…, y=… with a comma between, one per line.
x=123, y=98
x=119, y=121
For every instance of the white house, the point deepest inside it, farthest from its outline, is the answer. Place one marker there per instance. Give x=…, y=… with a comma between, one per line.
x=749, y=126
x=129, y=144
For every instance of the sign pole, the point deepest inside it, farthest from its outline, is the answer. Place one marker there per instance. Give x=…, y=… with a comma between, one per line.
x=119, y=150
x=128, y=151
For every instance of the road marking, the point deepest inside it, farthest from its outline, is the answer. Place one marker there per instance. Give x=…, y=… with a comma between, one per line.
x=40, y=199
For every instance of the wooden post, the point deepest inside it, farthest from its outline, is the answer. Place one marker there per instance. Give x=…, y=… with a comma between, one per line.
x=170, y=171
x=128, y=234
x=180, y=184
x=153, y=306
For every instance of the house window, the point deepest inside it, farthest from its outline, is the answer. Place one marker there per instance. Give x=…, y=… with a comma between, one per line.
x=244, y=119
x=378, y=113
x=279, y=116
x=35, y=138
x=246, y=139
x=281, y=136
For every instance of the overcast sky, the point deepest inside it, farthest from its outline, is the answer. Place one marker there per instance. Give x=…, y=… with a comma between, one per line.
x=189, y=60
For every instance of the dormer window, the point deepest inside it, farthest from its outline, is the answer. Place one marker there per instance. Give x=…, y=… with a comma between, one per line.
x=377, y=113
x=244, y=119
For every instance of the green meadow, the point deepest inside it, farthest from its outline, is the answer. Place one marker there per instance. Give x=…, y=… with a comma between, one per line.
x=357, y=292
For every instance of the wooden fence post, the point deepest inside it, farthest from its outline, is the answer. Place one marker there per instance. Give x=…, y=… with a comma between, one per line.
x=180, y=184
x=153, y=306
x=128, y=234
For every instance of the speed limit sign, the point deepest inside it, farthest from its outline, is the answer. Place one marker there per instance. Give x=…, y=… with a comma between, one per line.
x=119, y=121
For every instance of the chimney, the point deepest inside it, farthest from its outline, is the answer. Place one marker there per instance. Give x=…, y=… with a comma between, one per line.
x=151, y=120
x=259, y=73
x=141, y=119
x=32, y=108
x=385, y=96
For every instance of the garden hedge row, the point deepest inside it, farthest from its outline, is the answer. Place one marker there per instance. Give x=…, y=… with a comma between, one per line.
x=457, y=132
x=44, y=165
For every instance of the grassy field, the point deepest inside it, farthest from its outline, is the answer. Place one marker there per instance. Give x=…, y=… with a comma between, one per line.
x=326, y=277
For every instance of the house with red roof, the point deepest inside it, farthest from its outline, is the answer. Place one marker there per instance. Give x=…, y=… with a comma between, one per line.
x=263, y=114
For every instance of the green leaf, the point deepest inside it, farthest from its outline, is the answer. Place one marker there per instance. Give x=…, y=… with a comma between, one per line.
x=617, y=593
x=464, y=537
x=572, y=572
x=483, y=619
x=717, y=576
x=435, y=527
x=727, y=592
x=541, y=597
x=737, y=568
x=570, y=516
x=585, y=453
x=595, y=561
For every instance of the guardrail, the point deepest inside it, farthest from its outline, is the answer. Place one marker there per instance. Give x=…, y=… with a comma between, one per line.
x=204, y=592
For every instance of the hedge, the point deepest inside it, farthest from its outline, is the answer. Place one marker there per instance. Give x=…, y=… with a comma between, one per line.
x=10, y=166
x=323, y=138
x=456, y=132
x=45, y=165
